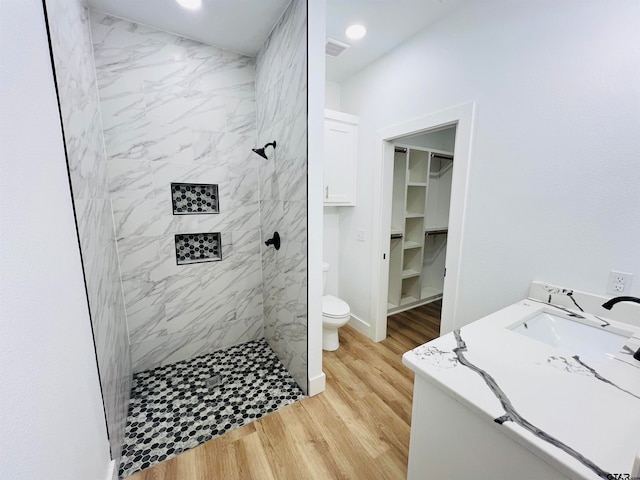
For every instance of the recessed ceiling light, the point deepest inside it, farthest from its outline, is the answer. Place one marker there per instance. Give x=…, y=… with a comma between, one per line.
x=191, y=4
x=355, y=31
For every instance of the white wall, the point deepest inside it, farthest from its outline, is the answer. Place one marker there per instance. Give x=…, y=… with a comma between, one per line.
x=331, y=216
x=554, y=180
x=70, y=37
x=332, y=92
x=315, y=136
x=331, y=247
x=52, y=423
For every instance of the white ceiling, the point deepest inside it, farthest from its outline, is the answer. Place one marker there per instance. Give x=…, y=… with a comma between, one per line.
x=389, y=23
x=243, y=25
x=237, y=25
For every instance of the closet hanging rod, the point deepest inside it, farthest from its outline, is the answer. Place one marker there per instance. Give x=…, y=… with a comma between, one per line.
x=442, y=155
x=436, y=232
x=400, y=150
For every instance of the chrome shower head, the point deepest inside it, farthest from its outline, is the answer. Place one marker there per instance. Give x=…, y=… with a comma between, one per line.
x=261, y=151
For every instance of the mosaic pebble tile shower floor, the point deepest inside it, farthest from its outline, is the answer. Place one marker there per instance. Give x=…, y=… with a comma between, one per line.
x=173, y=409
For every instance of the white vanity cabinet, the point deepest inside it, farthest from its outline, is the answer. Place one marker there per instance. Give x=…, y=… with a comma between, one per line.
x=513, y=396
x=340, y=158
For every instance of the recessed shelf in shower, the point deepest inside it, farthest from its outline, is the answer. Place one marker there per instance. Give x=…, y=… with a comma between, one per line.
x=194, y=198
x=198, y=248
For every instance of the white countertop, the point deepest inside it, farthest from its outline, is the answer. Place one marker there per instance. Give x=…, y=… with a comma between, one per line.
x=583, y=420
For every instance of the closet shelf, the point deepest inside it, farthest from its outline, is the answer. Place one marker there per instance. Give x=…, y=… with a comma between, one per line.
x=416, y=184
x=410, y=273
x=407, y=299
x=430, y=293
x=414, y=215
x=409, y=245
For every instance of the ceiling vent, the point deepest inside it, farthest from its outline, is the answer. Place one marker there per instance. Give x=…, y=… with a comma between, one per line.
x=334, y=48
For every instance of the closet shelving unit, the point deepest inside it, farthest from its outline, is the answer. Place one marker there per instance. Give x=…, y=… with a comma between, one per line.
x=418, y=227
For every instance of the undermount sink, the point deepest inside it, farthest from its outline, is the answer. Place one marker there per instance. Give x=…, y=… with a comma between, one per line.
x=593, y=343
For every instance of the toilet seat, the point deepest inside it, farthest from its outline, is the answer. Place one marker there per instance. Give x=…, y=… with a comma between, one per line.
x=333, y=307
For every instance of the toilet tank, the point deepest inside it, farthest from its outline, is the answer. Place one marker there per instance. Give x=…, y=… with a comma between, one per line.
x=325, y=272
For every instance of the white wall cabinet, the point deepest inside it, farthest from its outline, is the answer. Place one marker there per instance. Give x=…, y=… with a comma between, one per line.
x=340, y=158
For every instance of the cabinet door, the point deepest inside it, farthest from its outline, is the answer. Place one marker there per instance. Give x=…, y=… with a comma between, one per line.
x=340, y=162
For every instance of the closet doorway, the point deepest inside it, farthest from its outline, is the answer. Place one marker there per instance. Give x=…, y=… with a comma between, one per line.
x=421, y=192
x=409, y=269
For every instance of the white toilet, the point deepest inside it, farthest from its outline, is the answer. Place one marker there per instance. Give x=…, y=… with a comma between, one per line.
x=335, y=314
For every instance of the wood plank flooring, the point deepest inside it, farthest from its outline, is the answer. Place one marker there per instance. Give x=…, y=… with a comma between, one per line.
x=357, y=429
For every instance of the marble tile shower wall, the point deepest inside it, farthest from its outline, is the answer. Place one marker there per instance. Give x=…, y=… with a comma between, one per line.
x=176, y=110
x=281, y=92
x=87, y=163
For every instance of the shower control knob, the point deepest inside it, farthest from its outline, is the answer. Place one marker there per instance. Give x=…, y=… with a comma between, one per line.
x=275, y=241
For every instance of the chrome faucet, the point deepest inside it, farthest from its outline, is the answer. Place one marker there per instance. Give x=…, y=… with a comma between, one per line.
x=609, y=305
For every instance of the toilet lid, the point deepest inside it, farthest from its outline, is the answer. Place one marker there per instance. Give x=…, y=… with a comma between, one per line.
x=334, y=307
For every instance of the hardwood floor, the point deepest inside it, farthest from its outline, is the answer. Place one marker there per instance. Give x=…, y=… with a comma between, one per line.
x=357, y=429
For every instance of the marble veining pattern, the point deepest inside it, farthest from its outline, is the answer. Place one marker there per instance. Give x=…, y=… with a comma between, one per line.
x=178, y=111
x=77, y=89
x=603, y=322
x=576, y=365
x=436, y=356
x=583, y=301
x=503, y=376
x=513, y=415
x=281, y=104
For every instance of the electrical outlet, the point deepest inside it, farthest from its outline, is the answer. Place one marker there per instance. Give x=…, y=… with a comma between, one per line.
x=361, y=235
x=619, y=283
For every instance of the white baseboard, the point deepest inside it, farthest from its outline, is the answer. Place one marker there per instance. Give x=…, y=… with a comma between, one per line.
x=317, y=384
x=112, y=471
x=361, y=326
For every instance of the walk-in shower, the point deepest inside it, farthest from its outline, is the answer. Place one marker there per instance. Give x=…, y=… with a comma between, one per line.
x=173, y=209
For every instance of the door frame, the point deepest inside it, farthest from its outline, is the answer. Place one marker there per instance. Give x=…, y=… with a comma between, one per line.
x=462, y=116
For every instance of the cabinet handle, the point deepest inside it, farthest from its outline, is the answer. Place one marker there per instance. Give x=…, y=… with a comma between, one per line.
x=326, y=192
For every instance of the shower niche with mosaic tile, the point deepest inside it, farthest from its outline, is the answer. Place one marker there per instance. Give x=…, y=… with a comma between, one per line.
x=198, y=248
x=194, y=198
